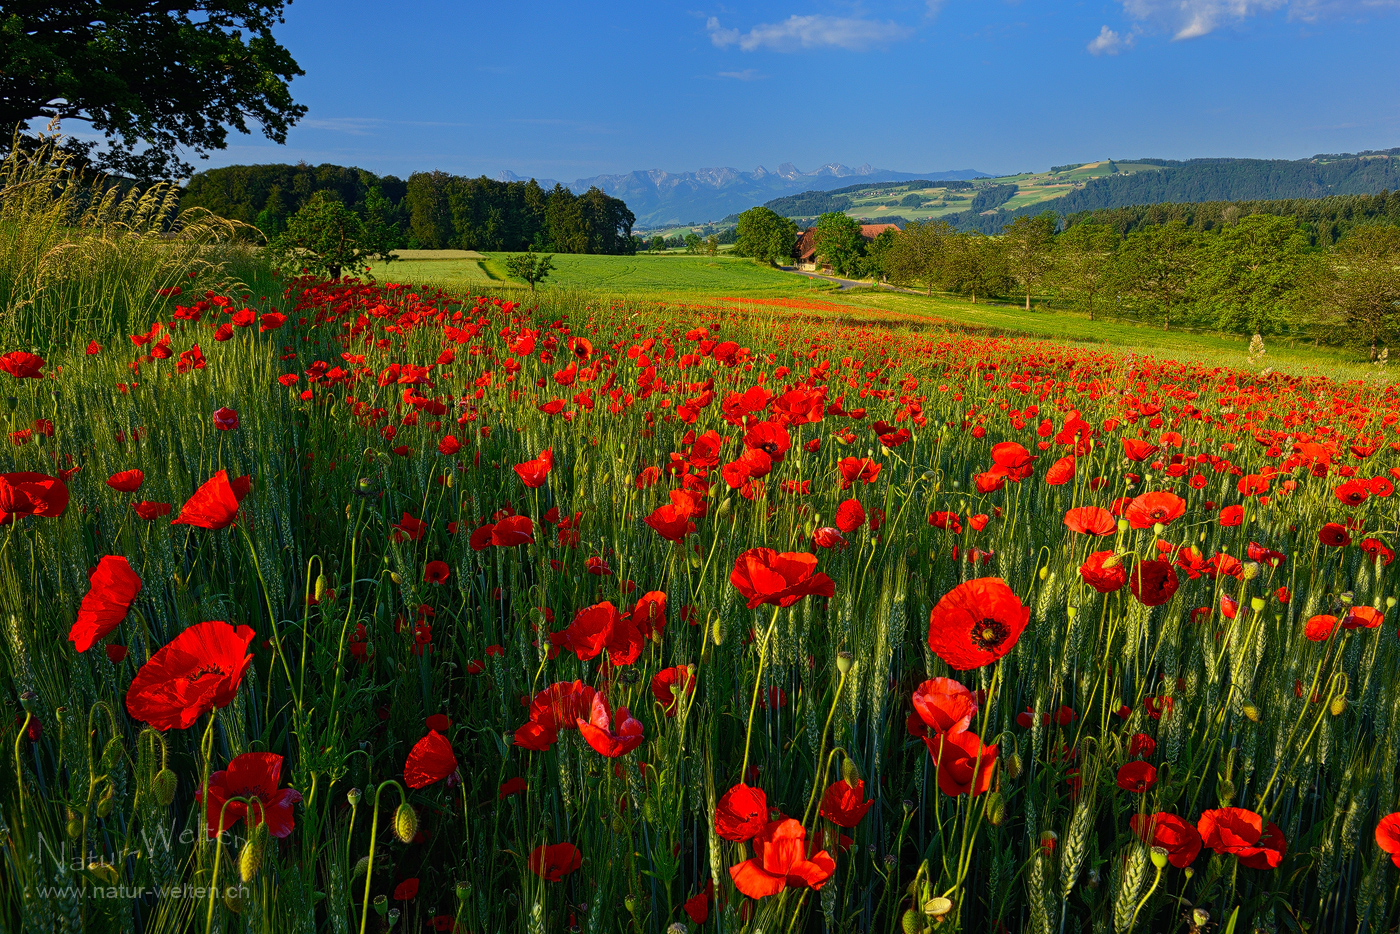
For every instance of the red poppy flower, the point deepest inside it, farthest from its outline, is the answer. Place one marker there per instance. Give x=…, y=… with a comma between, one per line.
x=440, y=721
x=664, y=686
x=597, y=730
x=409, y=528
x=116, y=654
x=1241, y=833
x=1137, y=777
x=850, y=515
x=697, y=907
x=534, y=473
x=408, y=888
x=111, y=589
x=601, y=626
x=1091, y=520
x=1320, y=628
x=250, y=775
x=449, y=445
x=1153, y=582
x=511, y=786
x=25, y=493
x=1149, y=509
x=436, y=572
x=965, y=766
x=431, y=760
x=127, y=481
x=671, y=522
x=1060, y=472
x=215, y=504
x=1378, y=550
x=1231, y=516
x=1362, y=617
x=1013, y=460
x=512, y=531
x=1141, y=745
x=780, y=861
x=1180, y=839
x=554, y=862
x=844, y=804
x=1353, y=492
x=857, y=469
x=1332, y=535
x=976, y=623
x=225, y=419
x=944, y=705
x=197, y=671
x=827, y=537
x=649, y=613
x=741, y=813
x=148, y=510
x=763, y=575
x=1135, y=449
x=22, y=365
x=1388, y=836
x=1104, y=571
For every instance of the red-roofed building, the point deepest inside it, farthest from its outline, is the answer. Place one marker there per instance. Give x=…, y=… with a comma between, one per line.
x=805, y=250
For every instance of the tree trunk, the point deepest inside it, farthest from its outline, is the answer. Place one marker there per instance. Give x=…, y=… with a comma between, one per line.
x=334, y=271
x=974, y=296
x=1167, y=319
x=1028, y=298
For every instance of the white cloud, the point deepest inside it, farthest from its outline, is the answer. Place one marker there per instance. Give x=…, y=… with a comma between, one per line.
x=1190, y=19
x=808, y=32
x=748, y=74
x=1108, y=42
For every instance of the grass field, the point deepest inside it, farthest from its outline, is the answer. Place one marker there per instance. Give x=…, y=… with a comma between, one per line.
x=690, y=279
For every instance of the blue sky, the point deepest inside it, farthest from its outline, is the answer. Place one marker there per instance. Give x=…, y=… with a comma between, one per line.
x=567, y=90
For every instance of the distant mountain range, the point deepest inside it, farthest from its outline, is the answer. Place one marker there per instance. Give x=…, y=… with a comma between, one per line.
x=666, y=199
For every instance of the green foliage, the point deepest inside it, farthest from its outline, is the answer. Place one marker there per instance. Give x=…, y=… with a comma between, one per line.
x=1027, y=245
x=991, y=197
x=529, y=267
x=692, y=242
x=1155, y=267
x=1251, y=274
x=765, y=236
x=838, y=242
x=1084, y=264
x=918, y=254
x=325, y=237
x=976, y=265
x=1359, y=287
x=154, y=78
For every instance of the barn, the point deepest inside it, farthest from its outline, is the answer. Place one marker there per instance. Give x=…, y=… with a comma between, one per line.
x=805, y=250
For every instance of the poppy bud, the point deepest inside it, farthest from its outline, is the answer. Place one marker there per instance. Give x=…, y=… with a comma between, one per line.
x=718, y=632
x=619, y=826
x=1159, y=857
x=320, y=587
x=251, y=857
x=107, y=802
x=1226, y=790
x=393, y=576
x=75, y=827
x=1013, y=765
x=235, y=899
x=111, y=755
x=849, y=773
x=163, y=787
x=911, y=922
x=725, y=508
x=1338, y=705
x=1043, y=572
x=361, y=867
x=104, y=871
x=1048, y=841
x=843, y=662
x=405, y=823
x=1250, y=711
x=938, y=907
x=381, y=905
x=996, y=809
x=353, y=796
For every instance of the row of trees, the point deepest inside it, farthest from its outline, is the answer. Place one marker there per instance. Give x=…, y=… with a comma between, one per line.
x=1257, y=275
x=431, y=210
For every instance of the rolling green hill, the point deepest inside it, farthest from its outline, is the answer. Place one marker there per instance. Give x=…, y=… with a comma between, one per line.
x=983, y=205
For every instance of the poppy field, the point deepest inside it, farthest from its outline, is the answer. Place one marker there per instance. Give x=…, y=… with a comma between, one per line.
x=365, y=607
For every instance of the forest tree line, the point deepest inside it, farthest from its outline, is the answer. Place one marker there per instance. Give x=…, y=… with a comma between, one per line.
x=430, y=210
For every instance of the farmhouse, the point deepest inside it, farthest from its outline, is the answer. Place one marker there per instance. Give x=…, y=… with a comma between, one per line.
x=805, y=250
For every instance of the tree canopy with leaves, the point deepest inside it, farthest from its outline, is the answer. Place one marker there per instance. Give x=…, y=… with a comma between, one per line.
x=765, y=235
x=1084, y=263
x=326, y=237
x=838, y=242
x=1027, y=242
x=919, y=254
x=156, y=78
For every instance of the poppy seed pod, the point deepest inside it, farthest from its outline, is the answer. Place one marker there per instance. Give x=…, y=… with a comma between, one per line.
x=1250, y=570
x=29, y=701
x=353, y=797
x=381, y=905
x=236, y=899
x=844, y=661
x=250, y=859
x=463, y=890
x=938, y=907
x=1256, y=604
x=405, y=823
x=1159, y=857
x=163, y=787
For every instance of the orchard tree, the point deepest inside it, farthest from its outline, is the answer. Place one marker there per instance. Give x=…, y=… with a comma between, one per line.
x=765, y=235
x=919, y=254
x=1084, y=262
x=976, y=264
x=1156, y=265
x=1027, y=242
x=1251, y=273
x=530, y=267
x=1360, y=286
x=326, y=237
x=838, y=242
x=154, y=77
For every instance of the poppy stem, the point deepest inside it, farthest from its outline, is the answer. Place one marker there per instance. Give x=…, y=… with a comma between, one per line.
x=757, y=684
x=218, y=852
x=373, y=839
x=818, y=780
x=19, y=770
x=1158, y=878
